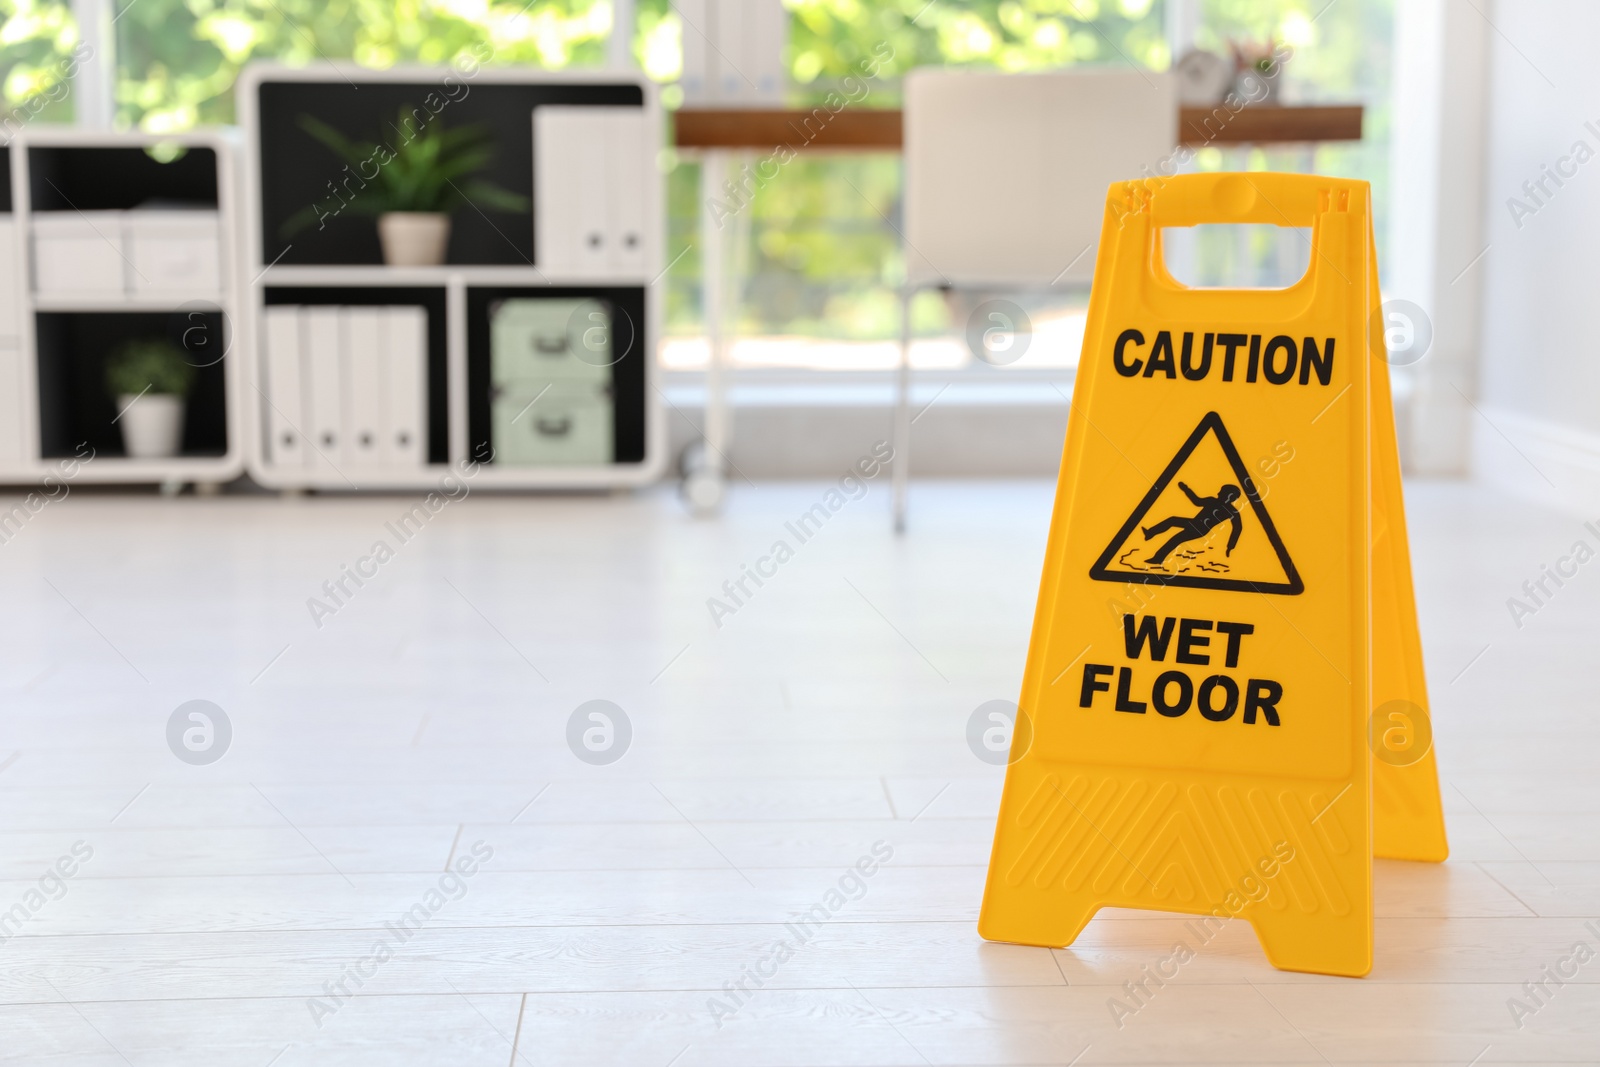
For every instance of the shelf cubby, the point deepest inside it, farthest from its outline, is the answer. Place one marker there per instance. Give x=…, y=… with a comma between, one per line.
x=131, y=190
x=626, y=375
x=76, y=408
x=102, y=177
x=433, y=299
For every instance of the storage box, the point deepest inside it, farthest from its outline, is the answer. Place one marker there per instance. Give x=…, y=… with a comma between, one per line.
x=534, y=341
x=553, y=426
x=173, y=253
x=78, y=253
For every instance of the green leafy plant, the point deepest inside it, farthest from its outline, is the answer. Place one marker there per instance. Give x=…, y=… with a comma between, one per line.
x=424, y=168
x=1260, y=57
x=150, y=365
x=177, y=59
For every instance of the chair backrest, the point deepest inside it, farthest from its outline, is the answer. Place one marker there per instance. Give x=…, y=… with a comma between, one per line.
x=1006, y=174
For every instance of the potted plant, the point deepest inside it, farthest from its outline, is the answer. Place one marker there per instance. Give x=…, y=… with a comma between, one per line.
x=1257, y=68
x=412, y=188
x=149, y=379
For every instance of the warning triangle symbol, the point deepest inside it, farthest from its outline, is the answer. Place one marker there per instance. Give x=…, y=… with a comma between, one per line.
x=1203, y=525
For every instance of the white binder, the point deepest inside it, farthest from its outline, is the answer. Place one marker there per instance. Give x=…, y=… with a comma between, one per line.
x=627, y=169
x=404, y=371
x=589, y=194
x=588, y=163
x=322, y=372
x=284, y=402
x=763, y=37
x=555, y=225
x=362, y=386
x=699, y=73
x=730, y=58
x=733, y=51
x=571, y=223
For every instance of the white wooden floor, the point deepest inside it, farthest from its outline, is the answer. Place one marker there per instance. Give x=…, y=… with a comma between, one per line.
x=223, y=903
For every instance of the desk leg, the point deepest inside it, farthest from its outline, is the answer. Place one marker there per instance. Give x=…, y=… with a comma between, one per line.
x=705, y=486
x=902, y=414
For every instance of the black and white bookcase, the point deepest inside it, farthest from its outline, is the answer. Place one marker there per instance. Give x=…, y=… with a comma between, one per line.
x=110, y=240
x=530, y=349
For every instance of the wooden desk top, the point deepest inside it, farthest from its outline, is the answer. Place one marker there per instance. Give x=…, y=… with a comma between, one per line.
x=879, y=129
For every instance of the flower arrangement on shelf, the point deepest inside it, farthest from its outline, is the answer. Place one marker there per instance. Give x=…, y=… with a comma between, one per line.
x=1257, y=66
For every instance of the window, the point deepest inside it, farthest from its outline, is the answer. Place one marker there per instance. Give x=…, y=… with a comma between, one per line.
x=37, y=61
x=821, y=260
x=819, y=251
x=1341, y=54
x=177, y=59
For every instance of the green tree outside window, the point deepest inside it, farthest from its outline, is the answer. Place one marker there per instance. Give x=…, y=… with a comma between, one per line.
x=823, y=256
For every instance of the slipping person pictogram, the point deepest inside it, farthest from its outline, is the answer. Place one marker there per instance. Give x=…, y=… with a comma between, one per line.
x=1214, y=511
x=1191, y=552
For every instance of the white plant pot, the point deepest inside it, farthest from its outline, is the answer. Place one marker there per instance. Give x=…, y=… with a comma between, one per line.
x=1255, y=87
x=152, y=425
x=413, y=238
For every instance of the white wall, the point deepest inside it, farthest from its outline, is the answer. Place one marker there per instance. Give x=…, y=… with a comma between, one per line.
x=1539, y=387
x=1436, y=217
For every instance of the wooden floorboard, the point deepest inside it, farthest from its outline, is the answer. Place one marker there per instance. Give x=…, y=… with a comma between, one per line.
x=223, y=905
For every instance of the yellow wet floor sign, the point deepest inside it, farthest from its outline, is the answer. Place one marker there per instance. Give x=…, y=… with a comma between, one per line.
x=1224, y=684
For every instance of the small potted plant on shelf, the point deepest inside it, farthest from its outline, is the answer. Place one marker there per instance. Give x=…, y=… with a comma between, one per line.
x=1257, y=68
x=412, y=184
x=149, y=379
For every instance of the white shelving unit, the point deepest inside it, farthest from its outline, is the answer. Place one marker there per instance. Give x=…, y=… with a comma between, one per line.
x=315, y=267
x=57, y=341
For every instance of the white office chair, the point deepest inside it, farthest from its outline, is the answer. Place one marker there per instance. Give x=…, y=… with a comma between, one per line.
x=1005, y=183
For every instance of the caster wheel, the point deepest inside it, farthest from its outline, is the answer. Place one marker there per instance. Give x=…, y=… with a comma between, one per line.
x=703, y=491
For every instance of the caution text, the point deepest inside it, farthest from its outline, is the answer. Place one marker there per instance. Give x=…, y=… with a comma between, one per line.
x=1278, y=360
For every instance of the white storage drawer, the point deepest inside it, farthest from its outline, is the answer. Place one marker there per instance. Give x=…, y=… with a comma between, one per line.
x=10, y=323
x=128, y=253
x=175, y=253
x=558, y=426
x=78, y=253
x=533, y=340
x=12, y=400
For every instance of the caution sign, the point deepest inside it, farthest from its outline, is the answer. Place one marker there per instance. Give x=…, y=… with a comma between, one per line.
x=1224, y=598
x=1201, y=542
